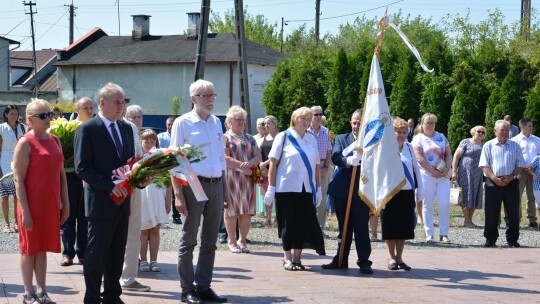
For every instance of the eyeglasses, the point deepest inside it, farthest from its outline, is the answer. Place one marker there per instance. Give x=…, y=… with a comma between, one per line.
x=480, y=132
x=238, y=119
x=318, y=114
x=43, y=116
x=206, y=96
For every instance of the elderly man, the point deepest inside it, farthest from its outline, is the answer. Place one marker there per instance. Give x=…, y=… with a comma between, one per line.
x=325, y=151
x=74, y=231
x=198, y=127
x=502, y=161
x=164, y=142
x=102, y=144
x=530, y=147
x=345, y=158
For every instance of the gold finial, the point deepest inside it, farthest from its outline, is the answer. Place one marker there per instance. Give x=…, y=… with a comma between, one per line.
x=383, y=24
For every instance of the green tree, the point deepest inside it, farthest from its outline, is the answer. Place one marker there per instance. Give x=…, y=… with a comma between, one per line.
x=257, y=28
x=405, y=97
x=532, y=110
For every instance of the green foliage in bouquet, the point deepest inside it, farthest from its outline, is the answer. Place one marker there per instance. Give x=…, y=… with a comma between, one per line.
x=65, y=131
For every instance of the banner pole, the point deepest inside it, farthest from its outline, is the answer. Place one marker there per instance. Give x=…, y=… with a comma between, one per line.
x=346, y=220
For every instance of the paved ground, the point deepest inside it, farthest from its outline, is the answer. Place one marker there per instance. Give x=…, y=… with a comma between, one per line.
x=477, y=275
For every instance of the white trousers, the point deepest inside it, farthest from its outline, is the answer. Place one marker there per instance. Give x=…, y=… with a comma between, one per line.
x=440, y=188
x=321, y=216
x=133, y=244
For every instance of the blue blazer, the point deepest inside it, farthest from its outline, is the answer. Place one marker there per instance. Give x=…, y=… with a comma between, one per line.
x=339, y=186
x=95, y=159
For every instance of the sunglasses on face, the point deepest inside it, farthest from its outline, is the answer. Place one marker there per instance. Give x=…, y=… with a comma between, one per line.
x=318, y=114
x=480, y=132
x=43, y=116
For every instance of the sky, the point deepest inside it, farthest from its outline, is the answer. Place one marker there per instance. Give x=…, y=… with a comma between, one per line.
x=169, y=16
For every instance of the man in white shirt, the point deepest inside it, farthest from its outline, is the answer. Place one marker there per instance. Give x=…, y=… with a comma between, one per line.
x=530, y=147
x=195, y=128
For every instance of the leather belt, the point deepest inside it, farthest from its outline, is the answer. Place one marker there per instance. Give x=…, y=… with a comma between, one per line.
x=213, y=180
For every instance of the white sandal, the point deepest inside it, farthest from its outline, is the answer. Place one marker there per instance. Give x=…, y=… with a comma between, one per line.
x=143, y=266
x=154, y=267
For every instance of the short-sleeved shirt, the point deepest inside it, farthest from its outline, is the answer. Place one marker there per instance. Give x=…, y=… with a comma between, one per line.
x=164, y=139
x=502, y=159
x=530, y=147
x=9, y=138
x=191, y=129
x=324, y=143
x=434, y=148
x=291, y=173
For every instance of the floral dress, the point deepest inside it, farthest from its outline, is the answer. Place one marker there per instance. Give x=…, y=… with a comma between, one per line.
x=470, y=175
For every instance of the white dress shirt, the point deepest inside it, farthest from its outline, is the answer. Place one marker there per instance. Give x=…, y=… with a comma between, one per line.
x=530, y=147
x=191, y=129
x=292, y=173
x=108, y=125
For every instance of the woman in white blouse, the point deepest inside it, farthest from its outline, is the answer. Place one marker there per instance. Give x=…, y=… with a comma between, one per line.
x=294, y=182
x=397, y=217
x=10, y=131
x=435, y=158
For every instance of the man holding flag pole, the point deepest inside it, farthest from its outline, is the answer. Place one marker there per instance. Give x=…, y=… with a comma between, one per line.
x=381, y=176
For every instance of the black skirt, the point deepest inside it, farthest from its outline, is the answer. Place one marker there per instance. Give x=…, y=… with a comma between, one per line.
x=397, y=217
x=297, y=222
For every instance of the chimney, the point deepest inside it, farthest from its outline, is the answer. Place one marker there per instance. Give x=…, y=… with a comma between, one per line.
x=141, y=27
x=193, y=25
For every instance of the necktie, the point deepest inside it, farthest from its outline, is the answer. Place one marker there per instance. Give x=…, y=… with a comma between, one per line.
x=117, y=141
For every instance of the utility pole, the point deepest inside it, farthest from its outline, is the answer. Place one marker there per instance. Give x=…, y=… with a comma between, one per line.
x=34, y=63
x=317, y=14
x=200, y=57
x=71, y=21
x=526, y=19
x=281, y=34
x=242, y=60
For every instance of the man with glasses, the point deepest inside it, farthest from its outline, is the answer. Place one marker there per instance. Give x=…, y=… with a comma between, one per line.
x=75, y=228
x=325, y=151
x=103, y=144
x=530, y=147
x=197, y=127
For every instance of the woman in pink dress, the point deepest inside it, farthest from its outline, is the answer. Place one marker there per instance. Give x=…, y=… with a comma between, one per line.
x=38, y=165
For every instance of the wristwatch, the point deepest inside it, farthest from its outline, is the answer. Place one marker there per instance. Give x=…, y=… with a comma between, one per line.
x=515, y=176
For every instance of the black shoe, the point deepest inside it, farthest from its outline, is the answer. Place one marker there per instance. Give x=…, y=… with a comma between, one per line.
x=190, y=297
x=334, y=265
x=490, y=244
x=177, y=221
x=514, y=245
x=533, y=224
x=209, y=295
x=366, y=269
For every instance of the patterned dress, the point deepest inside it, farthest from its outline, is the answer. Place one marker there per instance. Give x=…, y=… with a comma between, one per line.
x=241, y=188
x=470, y=175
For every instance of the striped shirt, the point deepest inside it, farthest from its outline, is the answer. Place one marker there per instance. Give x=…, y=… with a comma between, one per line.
x=323, y=141
x=502, y=159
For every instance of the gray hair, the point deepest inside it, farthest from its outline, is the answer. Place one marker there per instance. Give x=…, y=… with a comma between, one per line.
x=233, y=111
x=357, y=112
x=81, y=100
x=200, y=84
x=108, y=90
x=133, y=109
x=500, y=122
x=315, y=108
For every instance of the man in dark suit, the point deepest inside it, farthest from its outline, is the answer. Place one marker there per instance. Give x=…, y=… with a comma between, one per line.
x=410, y=131
x=101, y=145
x=338, y=189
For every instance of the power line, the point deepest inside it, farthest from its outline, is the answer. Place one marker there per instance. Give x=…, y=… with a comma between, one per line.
x=14, y=27
x=52, y=26
x=351, y=14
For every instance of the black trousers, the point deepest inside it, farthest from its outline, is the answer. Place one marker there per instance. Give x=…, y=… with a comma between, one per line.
x=105, y=258
x=358, y=223
x=509, y=197
x=75, y=230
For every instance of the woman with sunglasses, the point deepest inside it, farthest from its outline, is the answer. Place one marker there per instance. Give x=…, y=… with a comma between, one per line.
x=467, y=173
x=10, y=131
x=38, y=165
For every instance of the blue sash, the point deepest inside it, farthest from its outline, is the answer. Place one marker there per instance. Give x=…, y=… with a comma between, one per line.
x=306, y=163
x=408, y=175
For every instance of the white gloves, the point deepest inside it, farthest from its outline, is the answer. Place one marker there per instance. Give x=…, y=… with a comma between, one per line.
x=318, y=197
x=269, y=196
x=354, y=160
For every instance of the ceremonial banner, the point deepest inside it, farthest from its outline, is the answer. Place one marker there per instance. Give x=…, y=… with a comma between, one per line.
x=381, y=174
